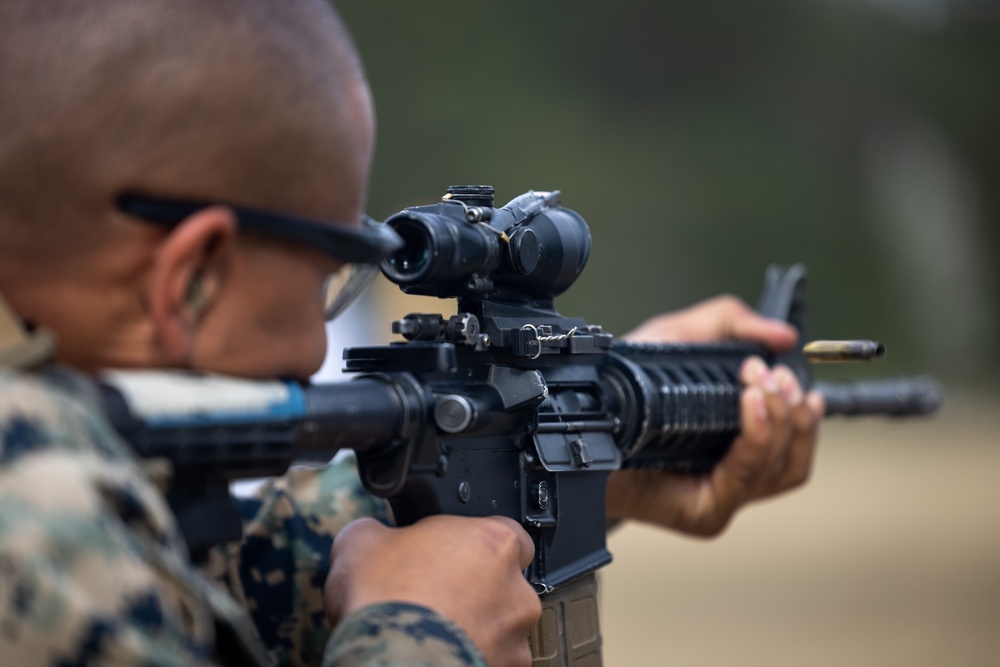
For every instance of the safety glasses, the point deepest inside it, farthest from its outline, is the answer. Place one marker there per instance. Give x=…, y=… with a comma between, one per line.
x=359, y=249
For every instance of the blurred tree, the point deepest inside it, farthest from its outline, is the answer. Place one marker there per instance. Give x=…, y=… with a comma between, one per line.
x=703, y=140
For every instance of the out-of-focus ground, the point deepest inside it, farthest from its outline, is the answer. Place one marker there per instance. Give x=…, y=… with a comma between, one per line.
x=889, y=556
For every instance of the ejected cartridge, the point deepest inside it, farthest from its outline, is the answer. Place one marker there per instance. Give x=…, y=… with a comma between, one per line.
x=820, y=351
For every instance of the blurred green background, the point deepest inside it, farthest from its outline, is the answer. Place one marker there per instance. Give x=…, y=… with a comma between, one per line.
x=703, y=140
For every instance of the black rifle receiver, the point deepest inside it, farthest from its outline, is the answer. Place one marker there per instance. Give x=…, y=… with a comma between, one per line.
x=506, y=408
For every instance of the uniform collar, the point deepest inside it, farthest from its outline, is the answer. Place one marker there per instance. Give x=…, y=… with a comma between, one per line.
x=21, y=348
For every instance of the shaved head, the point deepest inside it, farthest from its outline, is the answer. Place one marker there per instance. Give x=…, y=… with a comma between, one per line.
x=259, y=103
x=254, y=102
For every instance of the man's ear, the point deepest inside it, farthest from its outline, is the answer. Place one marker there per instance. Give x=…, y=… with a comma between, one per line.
x=188, y=273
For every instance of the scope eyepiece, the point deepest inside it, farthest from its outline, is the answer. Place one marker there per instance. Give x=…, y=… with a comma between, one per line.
x=413, y=260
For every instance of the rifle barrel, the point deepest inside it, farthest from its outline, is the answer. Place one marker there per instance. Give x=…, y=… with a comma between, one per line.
x=895, y=397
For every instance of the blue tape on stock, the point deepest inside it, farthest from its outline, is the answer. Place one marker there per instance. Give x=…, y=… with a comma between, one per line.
x=167, y=399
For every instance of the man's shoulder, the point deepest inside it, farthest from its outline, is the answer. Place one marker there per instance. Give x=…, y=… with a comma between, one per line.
x=89, y=543
x=52, y=412
x=61, y=459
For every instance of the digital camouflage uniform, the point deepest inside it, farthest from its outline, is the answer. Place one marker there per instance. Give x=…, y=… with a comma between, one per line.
x=94, y=571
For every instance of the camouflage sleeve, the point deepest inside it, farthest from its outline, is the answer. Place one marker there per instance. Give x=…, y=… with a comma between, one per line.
x=92, y=570
x=278, y=571
x=396, y=634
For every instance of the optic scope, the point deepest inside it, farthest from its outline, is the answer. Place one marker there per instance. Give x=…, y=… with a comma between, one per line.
x=464, y=247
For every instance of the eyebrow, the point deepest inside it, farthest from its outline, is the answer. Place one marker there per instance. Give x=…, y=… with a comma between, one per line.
x=368, y=244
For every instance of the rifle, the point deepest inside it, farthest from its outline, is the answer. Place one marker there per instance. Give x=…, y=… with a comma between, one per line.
x=505, y=408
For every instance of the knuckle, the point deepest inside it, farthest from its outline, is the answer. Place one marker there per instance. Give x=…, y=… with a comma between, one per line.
x=805, y=421
x=800, y=468
x=530, y=609
x=729, y=304
x=795, y=478
x=500, y=539
x=534, y=603
x=713, y=527
x=713, y=523
x=780, y=411
x=523, y=657
x=802, y=476
x=817, y=405
x=783, y=371
x=355, y=531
